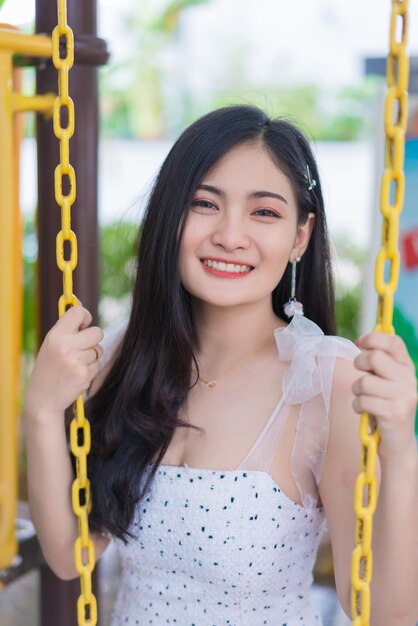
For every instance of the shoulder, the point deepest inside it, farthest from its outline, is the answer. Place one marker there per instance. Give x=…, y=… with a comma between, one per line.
x=113, y=336
x=345, y=374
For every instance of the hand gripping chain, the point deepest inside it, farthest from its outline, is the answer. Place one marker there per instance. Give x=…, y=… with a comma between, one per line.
x=80, y=427
x=393, y=183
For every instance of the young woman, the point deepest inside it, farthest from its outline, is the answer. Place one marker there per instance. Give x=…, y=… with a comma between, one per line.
x=225, y=411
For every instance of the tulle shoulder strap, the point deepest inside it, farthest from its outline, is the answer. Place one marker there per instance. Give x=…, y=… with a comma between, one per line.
x=113, y=334
x=308, y=381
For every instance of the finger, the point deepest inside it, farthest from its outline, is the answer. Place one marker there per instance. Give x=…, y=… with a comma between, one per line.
x=392, y=344
x=76, y=318
x=93, y=370
x=371, y=385
x=380, y=363
x=88, y=356
x=376, y=407
x=88, y=337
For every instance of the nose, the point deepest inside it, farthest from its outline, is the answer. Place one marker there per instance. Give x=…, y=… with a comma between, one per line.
x=230, y=232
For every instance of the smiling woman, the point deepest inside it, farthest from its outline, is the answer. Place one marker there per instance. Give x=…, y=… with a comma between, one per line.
x=255, y=229
x=223, y=429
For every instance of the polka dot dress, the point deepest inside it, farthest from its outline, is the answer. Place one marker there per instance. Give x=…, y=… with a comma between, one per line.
x=229, y=548
x=218, y=548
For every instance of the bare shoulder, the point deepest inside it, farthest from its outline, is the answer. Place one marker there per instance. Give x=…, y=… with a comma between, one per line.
x=113, y=336
x=345, y=374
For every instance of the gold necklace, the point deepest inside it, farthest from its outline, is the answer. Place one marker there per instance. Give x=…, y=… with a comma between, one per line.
x=212, y=383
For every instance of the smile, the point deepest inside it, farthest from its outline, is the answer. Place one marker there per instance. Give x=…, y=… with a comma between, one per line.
x=225, y=270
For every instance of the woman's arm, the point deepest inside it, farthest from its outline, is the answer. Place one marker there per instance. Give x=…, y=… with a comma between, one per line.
x=50, y=477
x=64, y=367
x=395, y=542
x=395, y=537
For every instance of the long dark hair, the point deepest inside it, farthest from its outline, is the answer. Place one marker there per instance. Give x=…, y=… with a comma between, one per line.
x=135, y=412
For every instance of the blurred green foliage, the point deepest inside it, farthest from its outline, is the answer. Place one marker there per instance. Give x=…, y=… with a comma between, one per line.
x=131, y=92
x=118, y=243
x=139, y=99
x=347, y=305
x=117, y=257
x=331, y=114
x=30, y=287
x=348, y=298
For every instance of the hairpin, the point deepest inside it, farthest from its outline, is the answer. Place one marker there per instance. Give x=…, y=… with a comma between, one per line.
x=312, y=181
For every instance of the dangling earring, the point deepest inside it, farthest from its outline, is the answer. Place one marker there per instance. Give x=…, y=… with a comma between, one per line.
x=292, y=306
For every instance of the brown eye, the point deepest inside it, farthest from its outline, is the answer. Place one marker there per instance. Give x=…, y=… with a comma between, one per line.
x=203, y=203
x=269, y=211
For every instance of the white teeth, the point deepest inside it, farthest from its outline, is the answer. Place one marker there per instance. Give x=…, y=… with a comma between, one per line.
x=227, y=267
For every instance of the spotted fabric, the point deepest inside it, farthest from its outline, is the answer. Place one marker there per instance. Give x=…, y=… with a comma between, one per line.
x=228, y=547
x=219, y=548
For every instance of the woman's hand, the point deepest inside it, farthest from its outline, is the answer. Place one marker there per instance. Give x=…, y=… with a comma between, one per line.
x=66, y=363
x=388, y=390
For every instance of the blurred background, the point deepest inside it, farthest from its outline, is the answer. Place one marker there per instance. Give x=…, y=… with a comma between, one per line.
x=174, y=60
x=316, y=62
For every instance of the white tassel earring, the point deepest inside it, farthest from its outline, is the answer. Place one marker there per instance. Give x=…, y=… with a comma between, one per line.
x=292, y=306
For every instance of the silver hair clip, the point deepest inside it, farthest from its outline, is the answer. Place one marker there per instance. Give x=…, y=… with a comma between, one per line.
x=312, y=181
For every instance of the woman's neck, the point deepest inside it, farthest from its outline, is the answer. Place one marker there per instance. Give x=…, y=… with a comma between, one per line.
x=226, y=334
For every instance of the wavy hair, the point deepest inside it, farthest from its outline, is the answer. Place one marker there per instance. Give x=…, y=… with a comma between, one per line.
x=134, y=414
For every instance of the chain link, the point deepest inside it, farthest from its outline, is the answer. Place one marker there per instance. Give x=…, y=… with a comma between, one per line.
x=393, y=185
x=391, y=204
x=80, y=427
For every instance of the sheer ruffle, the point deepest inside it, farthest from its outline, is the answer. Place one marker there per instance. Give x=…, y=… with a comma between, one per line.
x=308, y=382
x=113, y=334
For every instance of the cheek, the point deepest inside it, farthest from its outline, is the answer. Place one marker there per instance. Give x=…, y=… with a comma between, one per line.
x=188, y=251
x=276, y=252
x=192, y=234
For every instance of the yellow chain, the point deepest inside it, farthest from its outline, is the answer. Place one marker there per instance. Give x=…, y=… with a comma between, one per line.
x=86, y=603
x=392, y=188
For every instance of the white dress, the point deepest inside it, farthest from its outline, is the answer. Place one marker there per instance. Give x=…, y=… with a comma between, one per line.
x=229, y=548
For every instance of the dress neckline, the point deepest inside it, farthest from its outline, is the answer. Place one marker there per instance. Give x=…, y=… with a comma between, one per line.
x=202, y=470
x=278, y=407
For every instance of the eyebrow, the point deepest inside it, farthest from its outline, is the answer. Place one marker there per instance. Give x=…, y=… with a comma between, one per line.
x=253, y=194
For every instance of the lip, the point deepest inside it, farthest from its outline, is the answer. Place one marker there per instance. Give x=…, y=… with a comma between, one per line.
x=235, y=262
x=222, y=274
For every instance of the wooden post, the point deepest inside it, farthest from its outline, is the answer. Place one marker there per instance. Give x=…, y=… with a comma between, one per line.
x=58, y=598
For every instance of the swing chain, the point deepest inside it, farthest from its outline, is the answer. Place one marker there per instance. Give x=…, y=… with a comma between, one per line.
x=392, y=186
x=80, y=428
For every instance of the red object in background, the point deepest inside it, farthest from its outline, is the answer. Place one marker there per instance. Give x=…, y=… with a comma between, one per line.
x=409, y=247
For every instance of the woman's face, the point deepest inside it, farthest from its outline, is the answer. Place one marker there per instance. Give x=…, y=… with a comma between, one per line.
x=244, y=213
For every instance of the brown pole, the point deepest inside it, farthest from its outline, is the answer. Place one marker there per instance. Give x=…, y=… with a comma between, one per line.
x=58, y=598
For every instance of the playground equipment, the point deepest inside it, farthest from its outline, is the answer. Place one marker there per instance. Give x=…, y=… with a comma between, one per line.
x=392, y=187
x=19, y=549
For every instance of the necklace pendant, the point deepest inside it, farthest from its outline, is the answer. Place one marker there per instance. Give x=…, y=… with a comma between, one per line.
x=207, y=383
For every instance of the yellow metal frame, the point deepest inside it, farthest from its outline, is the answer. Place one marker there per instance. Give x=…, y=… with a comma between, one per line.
x=11, y=278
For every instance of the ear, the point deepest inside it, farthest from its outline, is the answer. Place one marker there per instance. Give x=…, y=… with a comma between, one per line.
x=302, y=237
